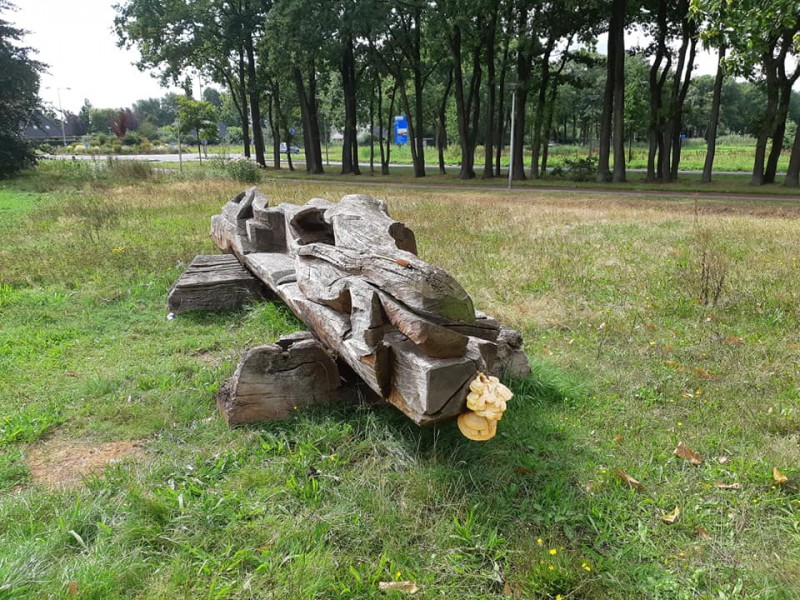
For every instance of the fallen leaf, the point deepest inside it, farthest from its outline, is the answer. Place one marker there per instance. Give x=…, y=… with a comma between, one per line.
x=705, y=374
x=618, y=438
x=71, y=374
x=703, y=534
x=547, y=352
x=72, y=586
x=779, y=477
x=723, y=460
x=671, y=517
x=721, y=485
x=734, y=339
x=650, y=326
x=398, y=586
x=625, y=478
x=686, y=394
x=522, y=471
x=671, y=363
x=686, y=453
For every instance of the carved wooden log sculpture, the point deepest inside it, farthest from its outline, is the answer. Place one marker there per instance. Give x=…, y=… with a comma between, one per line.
x=351, y=273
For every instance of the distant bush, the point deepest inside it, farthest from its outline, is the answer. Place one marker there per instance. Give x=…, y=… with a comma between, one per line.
x=734, y=139
x=131, y=139
x=242, y=170
x=580, y=169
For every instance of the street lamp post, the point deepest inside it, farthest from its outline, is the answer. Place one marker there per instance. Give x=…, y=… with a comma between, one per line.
x=60, y=110
x=513, y=87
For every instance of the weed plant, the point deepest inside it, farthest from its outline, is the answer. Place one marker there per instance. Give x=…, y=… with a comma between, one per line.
x=628, y=360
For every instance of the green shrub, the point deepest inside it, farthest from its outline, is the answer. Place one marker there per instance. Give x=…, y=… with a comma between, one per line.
x=580, y=169
x=242, y=170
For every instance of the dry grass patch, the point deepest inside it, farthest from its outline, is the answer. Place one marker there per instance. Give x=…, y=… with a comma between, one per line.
x=63, y=462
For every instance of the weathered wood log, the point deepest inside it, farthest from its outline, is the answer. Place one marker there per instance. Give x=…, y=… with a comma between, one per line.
x=363, y=223
x=511, y=358
x=423, y=287
x=214, y=282
x=350, y=272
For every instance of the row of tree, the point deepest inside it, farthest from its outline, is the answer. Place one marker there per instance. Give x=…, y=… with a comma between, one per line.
x=414, y=56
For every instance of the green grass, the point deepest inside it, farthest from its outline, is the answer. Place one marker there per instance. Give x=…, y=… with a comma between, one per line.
x=627, y=361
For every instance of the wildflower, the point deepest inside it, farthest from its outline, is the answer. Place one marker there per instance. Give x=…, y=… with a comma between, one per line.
x=553, y=551
x=539, y=541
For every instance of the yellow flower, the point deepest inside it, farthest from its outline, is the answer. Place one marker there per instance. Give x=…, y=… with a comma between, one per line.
x=553, y=551
x=551, y=568
x=586, y=567
x=559, y=597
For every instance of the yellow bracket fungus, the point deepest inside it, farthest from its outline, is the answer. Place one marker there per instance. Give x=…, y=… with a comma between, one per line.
x=486, y=402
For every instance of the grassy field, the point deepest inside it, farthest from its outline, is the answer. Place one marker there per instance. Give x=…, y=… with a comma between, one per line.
x=648, y=322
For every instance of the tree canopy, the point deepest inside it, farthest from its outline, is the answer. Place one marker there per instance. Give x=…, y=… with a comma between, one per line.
x=19, y=95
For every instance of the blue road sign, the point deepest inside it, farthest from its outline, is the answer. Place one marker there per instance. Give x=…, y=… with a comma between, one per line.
x=400, y=130
x=291, y=130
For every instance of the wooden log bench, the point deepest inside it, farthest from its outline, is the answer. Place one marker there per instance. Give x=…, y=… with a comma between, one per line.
x=351, y=273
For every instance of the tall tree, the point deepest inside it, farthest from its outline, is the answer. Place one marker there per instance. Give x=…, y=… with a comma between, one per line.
x=297, y=38
x=613, y=117
x=405, y=57
x=19, y=96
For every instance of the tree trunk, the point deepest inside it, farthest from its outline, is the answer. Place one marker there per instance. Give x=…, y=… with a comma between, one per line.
x=779, y=132
x=255, y=102
x=275, y=128
x=501, y=108
x=308, y=102
x=713, y=120
x=541, y=102
x=768, y=123
x=489, y=129
x=385, y=160
x=604, y=143
x=689, y=31
x=243, y=96
x=619, y=8
x=372, y=131
x=441, y=128
x=793, y=172
x=467, y=104
x=350, y=145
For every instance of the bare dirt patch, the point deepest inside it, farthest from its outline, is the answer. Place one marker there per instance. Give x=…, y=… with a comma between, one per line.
x=60, y=462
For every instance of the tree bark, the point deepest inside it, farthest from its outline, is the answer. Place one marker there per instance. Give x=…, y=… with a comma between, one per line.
x=308, y=114
x=713, y=120
x=467, y=103
x=541, y=102
x=793, y=172
x=350, y=141
x=606, y=118
x=768, y=123
x=619, y=8
x=501, y=108
x=489, y=129
x=255, y=102
x=441, y=127
x=243, y=96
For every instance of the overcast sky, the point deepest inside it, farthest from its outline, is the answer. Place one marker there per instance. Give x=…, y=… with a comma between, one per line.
x=77, y=42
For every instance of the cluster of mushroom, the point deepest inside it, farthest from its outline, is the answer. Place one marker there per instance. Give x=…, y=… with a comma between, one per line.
x=486, y=403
